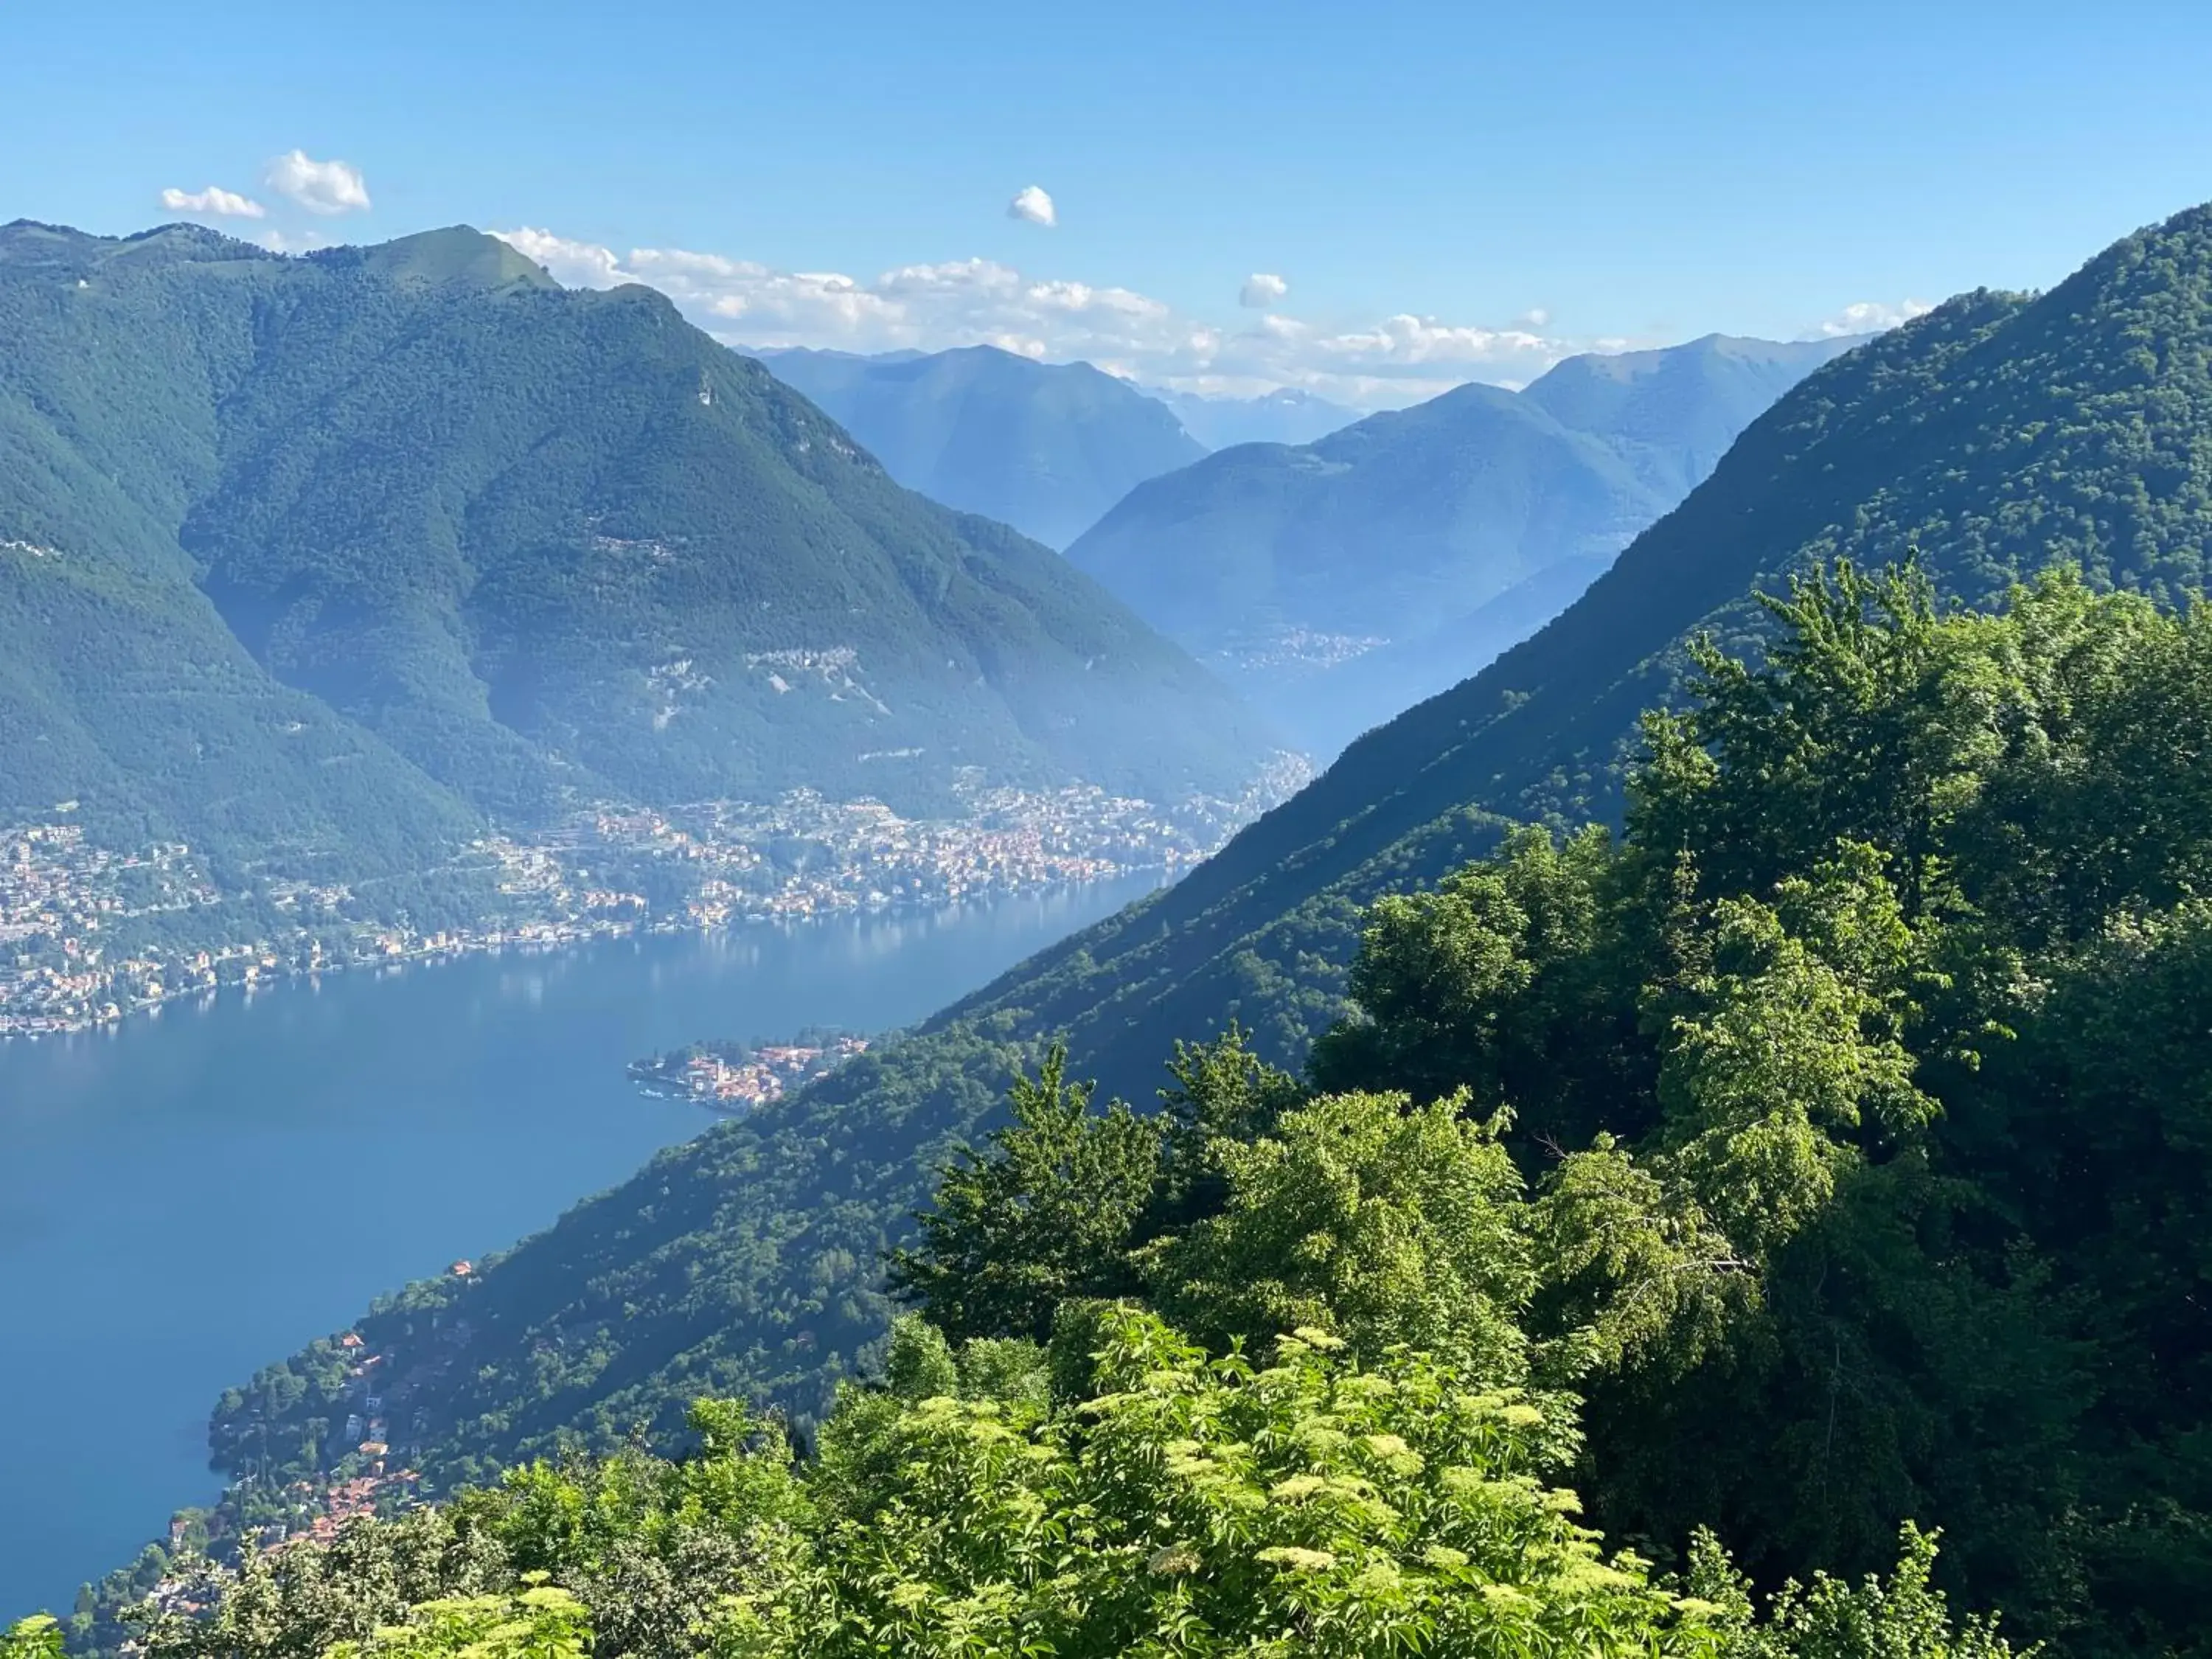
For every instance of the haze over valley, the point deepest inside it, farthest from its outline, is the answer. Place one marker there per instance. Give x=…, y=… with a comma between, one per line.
x=920, y=834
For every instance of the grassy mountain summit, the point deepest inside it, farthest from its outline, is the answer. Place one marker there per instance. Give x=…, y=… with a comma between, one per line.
x=1045, y=447
x=1341, y=580
x=348, y=544
x=1999, y=435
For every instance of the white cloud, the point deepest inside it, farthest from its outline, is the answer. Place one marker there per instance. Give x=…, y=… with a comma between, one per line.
x=1262, y=289
x=305, y=241
x=215, y=200
x=575, y=264
x=1535, y=317
x=1410, y=340
x=1869, y=316
x=928, y=307
x=1032, y=204
x=319, y=187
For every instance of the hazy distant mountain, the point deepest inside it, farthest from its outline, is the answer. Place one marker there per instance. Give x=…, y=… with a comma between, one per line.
x=1391, y=539
x=1045, y=447
x=1673, y=413
x=339, y=554
x=1285, y=417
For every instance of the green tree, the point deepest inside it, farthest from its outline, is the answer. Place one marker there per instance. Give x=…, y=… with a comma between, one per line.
x=539, y=1623
x=1364, y=1215
x=1048, y=1213
x=1904, y=1617
x=36, y=1638
x=1190, y=1503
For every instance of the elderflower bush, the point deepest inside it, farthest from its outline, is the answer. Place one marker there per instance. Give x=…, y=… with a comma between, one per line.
x=1192, y=1504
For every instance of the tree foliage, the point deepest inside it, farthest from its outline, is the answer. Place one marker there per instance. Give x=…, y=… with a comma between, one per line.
x=1854, y=1176
x=1130, y=1494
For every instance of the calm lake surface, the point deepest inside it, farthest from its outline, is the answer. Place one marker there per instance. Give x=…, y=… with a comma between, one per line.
x=196, y=1194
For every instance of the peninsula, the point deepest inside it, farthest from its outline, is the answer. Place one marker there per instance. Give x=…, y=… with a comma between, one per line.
x=738, y=1077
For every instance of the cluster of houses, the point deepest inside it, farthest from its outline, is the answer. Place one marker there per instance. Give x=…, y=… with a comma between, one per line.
x=755, y=1077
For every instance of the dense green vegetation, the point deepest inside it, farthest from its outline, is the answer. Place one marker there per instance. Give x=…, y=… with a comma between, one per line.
x=1838, y=1133
x=319, y=564
x=1866, y=1085
x=1117, y=1493
x=1046, y=447
x=1448, y=532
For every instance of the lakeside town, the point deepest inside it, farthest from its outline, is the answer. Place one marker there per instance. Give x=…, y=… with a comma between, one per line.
x=90, y=933
x=737, y=1078
x=370, y=1393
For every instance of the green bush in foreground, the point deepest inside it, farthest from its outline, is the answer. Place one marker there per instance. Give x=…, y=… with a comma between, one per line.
x=1119, y=1492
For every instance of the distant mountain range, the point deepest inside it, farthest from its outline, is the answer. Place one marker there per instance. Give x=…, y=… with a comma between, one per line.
x=1339, y=581
x=327, y=562
x=1285, y=417
x=1045, y=447
x=1335, y=569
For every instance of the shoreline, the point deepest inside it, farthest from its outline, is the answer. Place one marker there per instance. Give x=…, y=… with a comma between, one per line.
x=553, y=938
x=490, y=1029
x=101, y=933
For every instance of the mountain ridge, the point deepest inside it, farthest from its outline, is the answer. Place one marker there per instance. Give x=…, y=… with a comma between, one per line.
x=1285, y=566
x=1045, y=447
x=510, y=547
x=1288, y=414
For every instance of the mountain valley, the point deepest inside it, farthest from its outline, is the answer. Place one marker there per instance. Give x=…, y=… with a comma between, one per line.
x=2000, y=436
x=353, y=579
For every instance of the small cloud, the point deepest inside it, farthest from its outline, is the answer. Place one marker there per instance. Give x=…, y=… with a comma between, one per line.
x=319, y=187
x=221, y=203
x=1535, y=317
x=573, y=263
x=1869, y=316
x=1262, y=289
x=1031, y=204
x=305, y=241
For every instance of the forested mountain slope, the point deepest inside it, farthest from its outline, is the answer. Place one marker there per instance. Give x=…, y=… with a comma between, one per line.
x=1999, y=435
x=1046, y=447
x=1672, y=413
x=318, y=549
x=124, y=688
x=1339, y=583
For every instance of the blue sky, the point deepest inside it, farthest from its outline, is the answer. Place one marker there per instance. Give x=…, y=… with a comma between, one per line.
x=1490, y=177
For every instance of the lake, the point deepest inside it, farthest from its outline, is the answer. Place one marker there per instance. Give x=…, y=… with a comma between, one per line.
x=200, y=1191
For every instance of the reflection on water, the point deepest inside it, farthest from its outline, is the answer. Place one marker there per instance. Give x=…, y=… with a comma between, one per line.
x=198, y=1191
